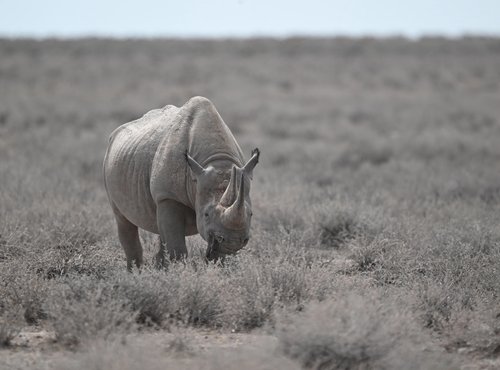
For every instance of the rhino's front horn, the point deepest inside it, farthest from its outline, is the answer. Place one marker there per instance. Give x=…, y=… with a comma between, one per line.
x=230, y=194
x=234, y=217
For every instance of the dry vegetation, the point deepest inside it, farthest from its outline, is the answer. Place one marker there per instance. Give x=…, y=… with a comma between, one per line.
x=376, y=239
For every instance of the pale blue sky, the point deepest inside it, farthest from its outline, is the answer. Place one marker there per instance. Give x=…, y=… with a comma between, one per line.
x=245, y=18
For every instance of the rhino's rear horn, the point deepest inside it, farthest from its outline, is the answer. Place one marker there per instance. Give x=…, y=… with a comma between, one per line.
x=250, y=165
x=235, y=216
x=229, y=195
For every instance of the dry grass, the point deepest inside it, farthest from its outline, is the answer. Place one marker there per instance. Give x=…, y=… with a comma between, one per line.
x=380, y=173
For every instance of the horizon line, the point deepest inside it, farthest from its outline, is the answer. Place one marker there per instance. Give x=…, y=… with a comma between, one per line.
x=256, y=36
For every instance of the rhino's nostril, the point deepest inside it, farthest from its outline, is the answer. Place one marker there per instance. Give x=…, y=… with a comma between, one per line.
x=245, y=241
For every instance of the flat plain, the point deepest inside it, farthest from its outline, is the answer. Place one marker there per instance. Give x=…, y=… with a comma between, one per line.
x=376, y=232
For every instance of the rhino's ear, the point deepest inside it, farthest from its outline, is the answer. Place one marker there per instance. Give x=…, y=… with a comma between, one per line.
x=195, y=166
x=250, y=165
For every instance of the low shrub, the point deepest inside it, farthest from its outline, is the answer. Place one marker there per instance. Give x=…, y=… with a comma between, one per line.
x=81, y=309
x=353, y=331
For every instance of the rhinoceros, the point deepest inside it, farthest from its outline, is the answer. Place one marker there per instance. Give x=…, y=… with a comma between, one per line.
x=179, y=171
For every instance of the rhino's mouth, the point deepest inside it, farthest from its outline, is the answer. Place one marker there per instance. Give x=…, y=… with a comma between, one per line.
x=215, y=249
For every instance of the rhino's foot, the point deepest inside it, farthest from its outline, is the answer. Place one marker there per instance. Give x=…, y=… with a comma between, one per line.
x=131, y=262
x=160, y=261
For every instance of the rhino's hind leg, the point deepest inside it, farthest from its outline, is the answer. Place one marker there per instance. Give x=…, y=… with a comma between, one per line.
x=128, y=233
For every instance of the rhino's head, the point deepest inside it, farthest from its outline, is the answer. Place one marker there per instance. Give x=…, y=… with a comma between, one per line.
x=223, y=207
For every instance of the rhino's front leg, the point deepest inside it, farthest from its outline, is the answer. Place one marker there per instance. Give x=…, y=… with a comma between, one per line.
x=170, y=216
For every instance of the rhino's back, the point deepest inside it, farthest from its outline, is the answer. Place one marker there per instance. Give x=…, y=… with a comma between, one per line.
x=199, y=129
x=127, y=165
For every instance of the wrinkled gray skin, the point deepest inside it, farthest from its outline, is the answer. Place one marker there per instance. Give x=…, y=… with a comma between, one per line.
x=178, y=172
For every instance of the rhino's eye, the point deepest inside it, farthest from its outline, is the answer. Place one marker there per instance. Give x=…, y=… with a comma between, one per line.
x=206, y=214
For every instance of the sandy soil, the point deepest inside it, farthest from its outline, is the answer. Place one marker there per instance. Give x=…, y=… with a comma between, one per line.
x=37, y=348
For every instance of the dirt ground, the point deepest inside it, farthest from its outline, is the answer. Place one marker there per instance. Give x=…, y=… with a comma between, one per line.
x=35, y=348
